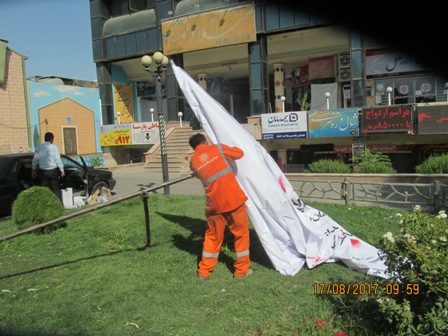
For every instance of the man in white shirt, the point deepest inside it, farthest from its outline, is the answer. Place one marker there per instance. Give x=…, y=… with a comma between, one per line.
x=50, y=165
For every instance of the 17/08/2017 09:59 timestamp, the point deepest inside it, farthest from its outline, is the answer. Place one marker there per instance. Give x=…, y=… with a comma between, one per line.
x=365, y=288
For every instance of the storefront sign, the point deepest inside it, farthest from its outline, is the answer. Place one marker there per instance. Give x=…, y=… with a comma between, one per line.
x=389, y=148
x=286, y=125
x=145, y=133
x=333, y=123
x=299, y=77
x=383, y=148
x=321, y=67
x=115, y=135
x=434, y=148
x=432, y=119
x=391, y=118
x=386, y=63
x=145, y=89
x=343, y=148
x=219, y=28
x=124, y=103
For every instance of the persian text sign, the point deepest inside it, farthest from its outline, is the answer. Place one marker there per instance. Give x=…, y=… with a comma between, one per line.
x=146, y=88
x=387, y=62
x=432, y=119
x=389, y=118
x=286, y=125
x=124, y=103
x=146, y=133
x=233, y=25
x=333, y=123
x=115, y=135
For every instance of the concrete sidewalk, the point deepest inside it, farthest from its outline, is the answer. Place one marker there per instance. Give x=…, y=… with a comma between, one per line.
x=131, y=178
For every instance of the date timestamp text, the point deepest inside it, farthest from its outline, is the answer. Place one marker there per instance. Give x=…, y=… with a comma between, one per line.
x=365, y=288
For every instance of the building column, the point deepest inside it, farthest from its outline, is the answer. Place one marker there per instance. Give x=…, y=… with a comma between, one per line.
x=357, y=70
x=174, y=96
x=106, y=92
x=202, y=80
x=259, y=80
x=279, y=88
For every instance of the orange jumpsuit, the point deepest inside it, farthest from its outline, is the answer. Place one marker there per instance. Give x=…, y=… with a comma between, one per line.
x=225, y=202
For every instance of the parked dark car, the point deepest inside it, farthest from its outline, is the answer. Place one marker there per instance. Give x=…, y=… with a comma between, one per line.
x=15, y=176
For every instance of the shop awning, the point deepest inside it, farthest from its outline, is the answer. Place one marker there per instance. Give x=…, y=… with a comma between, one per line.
x=130, y=23
x=186, y=7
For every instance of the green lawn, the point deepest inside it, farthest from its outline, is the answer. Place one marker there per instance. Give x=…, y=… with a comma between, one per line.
x=96, y=277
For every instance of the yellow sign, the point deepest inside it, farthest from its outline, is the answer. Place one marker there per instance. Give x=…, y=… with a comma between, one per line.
x=233, y=25
x=115, y=135
x=124, y=103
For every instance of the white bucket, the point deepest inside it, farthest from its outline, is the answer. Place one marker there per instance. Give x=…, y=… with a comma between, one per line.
x=67, y=198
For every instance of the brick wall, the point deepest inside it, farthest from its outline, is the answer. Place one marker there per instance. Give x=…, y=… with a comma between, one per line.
x=13, y=112
x=68, y=113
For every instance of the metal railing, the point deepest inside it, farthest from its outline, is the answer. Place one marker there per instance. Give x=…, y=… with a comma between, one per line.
x=432, y=196
x=143, y=193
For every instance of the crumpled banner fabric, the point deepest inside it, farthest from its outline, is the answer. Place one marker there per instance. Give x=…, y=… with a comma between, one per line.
x=291, y=233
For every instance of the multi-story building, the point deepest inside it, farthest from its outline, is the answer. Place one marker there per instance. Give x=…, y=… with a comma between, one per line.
x=260, y=57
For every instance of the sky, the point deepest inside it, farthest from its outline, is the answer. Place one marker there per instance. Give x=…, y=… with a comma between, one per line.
x=55, y=35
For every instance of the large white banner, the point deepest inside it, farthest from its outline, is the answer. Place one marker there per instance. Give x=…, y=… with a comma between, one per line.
x=291, y=233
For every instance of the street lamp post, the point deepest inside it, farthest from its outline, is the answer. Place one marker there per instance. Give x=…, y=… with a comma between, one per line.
x=180, y=114
x=327, y=96
x=389, y=92
x=161, y=61
x=283, y=98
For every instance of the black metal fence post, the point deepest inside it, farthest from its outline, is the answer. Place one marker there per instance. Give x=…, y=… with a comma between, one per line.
x=438, y=194
x=144, y=197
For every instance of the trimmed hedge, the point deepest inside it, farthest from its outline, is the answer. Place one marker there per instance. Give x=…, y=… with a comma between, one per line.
x=328, y=166
x=37, y=205
x=434, y=165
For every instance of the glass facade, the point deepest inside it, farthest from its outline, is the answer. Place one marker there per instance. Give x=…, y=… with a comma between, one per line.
x=408, y=90
x=116, y=40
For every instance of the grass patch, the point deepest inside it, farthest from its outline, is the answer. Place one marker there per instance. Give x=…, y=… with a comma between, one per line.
x=95, y=277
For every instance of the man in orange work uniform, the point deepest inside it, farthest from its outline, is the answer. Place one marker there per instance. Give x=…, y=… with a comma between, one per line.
x=225, y=202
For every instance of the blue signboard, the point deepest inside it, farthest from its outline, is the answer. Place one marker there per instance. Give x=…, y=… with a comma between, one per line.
x=333, y=123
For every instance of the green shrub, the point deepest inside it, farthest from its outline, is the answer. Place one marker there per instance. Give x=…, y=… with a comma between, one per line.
x=415, y=301
x=434, y=165
x=96, y=161
x=37, y=205
x=328, y=166
x=372, y=163
x=304, y=102
x=375, y=168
